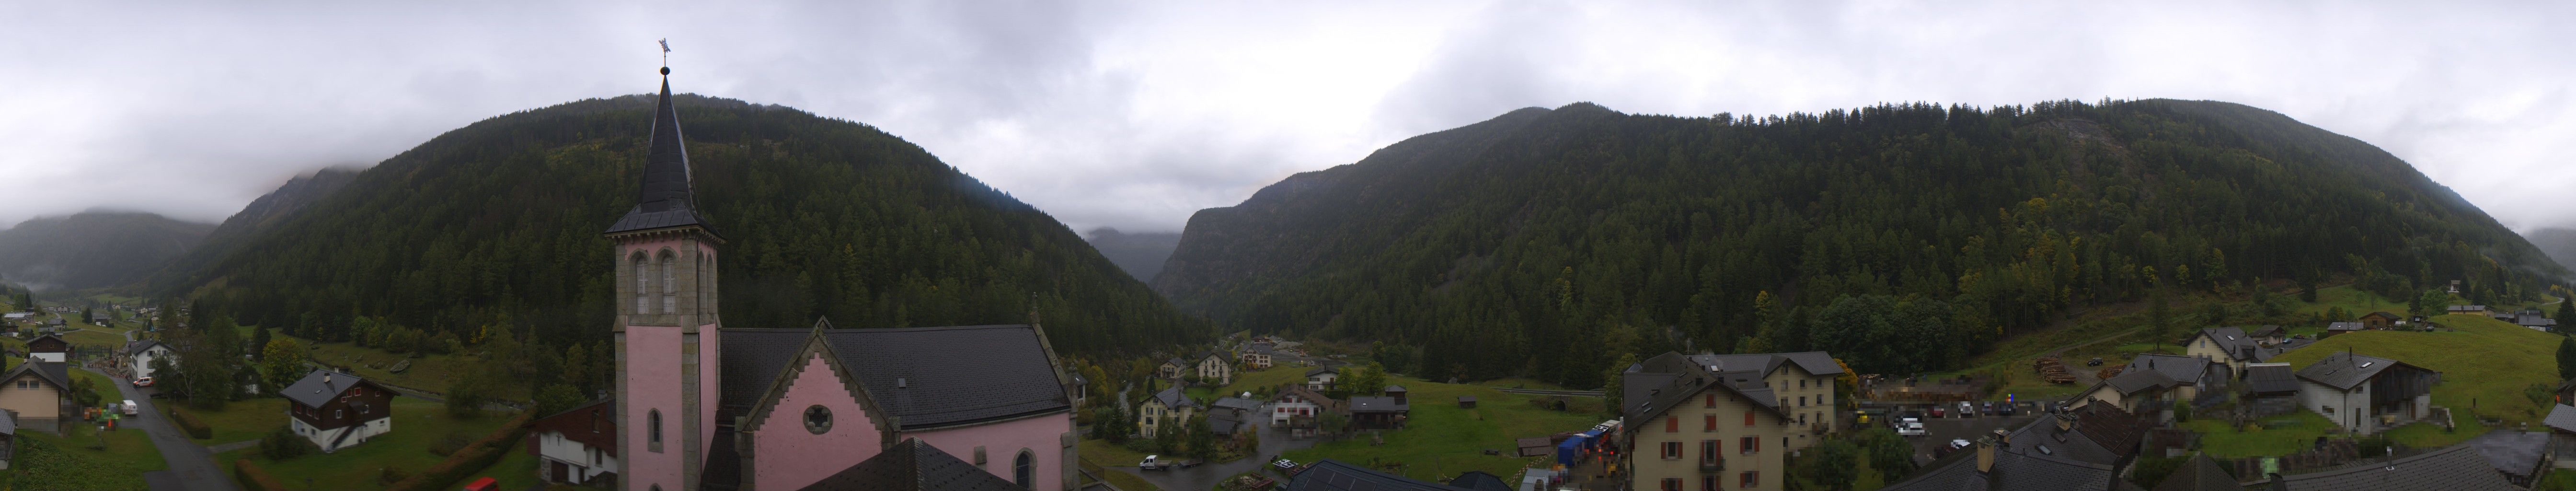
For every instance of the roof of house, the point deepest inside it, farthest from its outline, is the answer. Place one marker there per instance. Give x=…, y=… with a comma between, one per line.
x=2345, y=369
x=2343, y=326
x=927, y=376
x=666, y=200
x=319, y=386
x=1813, y=362
x=138, y=347
x=2200, y=474
x=2268, y=378
x=31, y=343
x=1173, y=398
x=2013, y=471
x=1377, y=404
x=2454, y=468
x=1236, y=403
x=1664, y=381
x=2533, y=320
x=1309, y=395
x=1391, y=389
x=2269, y=330
x=58, y=374
x=2515, y=453
x=1323, y=370
x=1335, y=475
x=1479, y=481
x=2140, y=381
x=2384, y=315
x=1228, y=425
x=913, y=466
x=2562, y=417
x=2185, y=370
x=2467, y=308
x=2241, y=347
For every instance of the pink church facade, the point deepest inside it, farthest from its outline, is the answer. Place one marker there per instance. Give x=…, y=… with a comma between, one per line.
x=699, y=406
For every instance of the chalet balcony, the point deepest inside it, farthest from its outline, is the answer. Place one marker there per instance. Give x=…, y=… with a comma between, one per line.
x=1818, y=428
x=1711, y=466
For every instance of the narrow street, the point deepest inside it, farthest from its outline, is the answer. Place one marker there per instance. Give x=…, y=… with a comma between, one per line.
x=192, y=468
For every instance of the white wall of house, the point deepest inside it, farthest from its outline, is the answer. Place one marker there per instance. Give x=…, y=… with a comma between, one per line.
x=322, y=438
x=584, y=461
x=143, y=361
x=1322, y=381
x=1215, y=368
x=2351, y=410
x=52, y=357
x=1281, y=411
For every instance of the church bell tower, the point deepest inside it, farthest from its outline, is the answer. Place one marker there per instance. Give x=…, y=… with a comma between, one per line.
x=666, y=333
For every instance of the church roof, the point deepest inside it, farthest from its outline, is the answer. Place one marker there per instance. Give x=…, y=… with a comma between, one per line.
x=667, y=200
x=927, y=376
x=913, y=466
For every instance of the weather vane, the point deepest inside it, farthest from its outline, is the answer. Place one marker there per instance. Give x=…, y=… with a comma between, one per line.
x=666, y=52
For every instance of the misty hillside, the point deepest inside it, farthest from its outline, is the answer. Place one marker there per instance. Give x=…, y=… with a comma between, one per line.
x=1542, y=242
x=499, y=222
x=93, y=249
x=1141, y=254
x=2559, y=243
x=260, y=215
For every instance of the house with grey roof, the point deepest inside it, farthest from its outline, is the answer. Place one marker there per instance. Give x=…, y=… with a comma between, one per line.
x=1801, y=385
x=2084, y=448
x=1214, y=367
x=1173, y=368
x=1323, y=378
x=2522, y=457
x=337, y=410
x=2365, y=394
x=1169, y=409
x=139, y=355
x=39, y=393
x=2200, y=474
x=2453, y=468
x=2231, y=345
x=1694, y=425
x=2270, y=389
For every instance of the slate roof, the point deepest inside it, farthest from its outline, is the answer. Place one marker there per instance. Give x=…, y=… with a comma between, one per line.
x=1227, y=425
x=8, y=425
x=2533, y=320
x=947, y=375
x=1172, y=398
x=1236, y=403
x=913, y=466
x=1666, y=380
x=138, y=347
x=2013, y=471
x=2344, y=370
x=1814, y=362
x=2562, y=418
x=2185, y=370
x=1377, y=404
x=2343, y=326
x=666, y=200
x=2140, y=381
x=58, y=374
x=1322, y=370
x=312, y=391
x=2454, y=468
x=2270, y=331
x=2271, y=378
x=2466, y=308
x=2512, y=452
x=2200, y=474
x=2385, y=315
x=1479, y=481
x=2241, y=347
x=1335, y=475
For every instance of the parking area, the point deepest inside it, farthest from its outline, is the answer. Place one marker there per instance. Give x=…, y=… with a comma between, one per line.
x=1940, y=431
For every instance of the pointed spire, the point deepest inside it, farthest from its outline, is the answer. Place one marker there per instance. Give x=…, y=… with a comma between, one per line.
x=666, y=167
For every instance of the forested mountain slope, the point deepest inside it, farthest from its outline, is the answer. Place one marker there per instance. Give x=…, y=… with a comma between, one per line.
x=2558, y=243
x=93, y=249
x=260, y=215
x=1141, y=254
x=1546, y=242
x=498, y=224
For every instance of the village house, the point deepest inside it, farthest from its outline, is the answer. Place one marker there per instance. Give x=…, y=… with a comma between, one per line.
x=2521, y=457
x=2270, y=389
x=708, y=407
x=576, y=446
x=2150, y=384
x=337, y=410
x=2232, y=346
x=1169, y=408
x=101, y=317
x=1381, y=412
x=1802, y=382
x=140, y=354
x=1323, y=378
x=2365, y=394
x=1256, y=356
x=39, y=394
x=1296, y=406
x=1172, y=369
x=2381, y=320
x=2534, y=319
x=2081, y=449
x=1216, y=368
x=2339, y=328
x=1694, y=427
x=48, y=348
x=2466, y=310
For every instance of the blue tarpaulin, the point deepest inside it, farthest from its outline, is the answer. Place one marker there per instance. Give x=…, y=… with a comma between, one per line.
x=1575, y=446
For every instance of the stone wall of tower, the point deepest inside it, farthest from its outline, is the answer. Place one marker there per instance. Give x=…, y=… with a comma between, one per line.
x=667, y=344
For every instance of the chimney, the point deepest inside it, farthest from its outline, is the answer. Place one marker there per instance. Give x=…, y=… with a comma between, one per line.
x=2065, y=422
x=1986, y=455
x=2003, y=436
x=326, y=377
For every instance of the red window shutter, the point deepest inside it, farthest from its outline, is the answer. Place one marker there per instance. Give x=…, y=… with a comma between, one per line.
x=1672, y=425
x=1709, y=422
x=1712, y=400
x=1747, y=481
x=1748, y=418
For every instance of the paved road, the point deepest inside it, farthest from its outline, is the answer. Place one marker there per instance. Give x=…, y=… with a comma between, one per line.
x=1564, y=393
x=192, y=468
x=1207, y=476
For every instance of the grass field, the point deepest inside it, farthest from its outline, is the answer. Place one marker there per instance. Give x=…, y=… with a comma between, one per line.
x=244, y=419
x=1256, y=381
x=128, y=454
x=2486, y=364
x=516, y=470
x=2275, y=436
x=417, y=424
x=1441, y=440
x=428, y=372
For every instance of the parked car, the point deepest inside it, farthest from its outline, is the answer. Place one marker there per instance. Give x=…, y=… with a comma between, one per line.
x=1910, y=427
x=2095, y=362
x=130, y=410
x=2007, y=409
x=1936, y=411
x=1988, y=408
x=143, y=382
x=1967, y=410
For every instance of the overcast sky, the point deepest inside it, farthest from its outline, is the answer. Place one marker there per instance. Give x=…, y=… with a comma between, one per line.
x=1134, y=115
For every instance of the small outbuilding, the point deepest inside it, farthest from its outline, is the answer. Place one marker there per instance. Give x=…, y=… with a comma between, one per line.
x=1466, y=402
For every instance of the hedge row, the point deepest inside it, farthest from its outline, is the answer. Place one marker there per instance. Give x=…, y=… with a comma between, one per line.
x=469, y=460
x=188, y=422
x=254, y=478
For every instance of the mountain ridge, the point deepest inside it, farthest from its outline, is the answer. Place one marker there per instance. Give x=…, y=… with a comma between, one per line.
x=93, y=249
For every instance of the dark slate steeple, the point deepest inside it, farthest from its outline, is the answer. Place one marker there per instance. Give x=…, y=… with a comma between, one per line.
x=666, y=200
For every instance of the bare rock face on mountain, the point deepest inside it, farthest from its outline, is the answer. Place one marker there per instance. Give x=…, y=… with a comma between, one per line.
x=93, y=249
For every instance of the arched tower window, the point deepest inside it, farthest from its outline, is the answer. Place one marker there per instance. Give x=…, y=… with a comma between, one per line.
x=653, y=425
x=670, y=284
x=706, y=284
x=643, y=275
x=1024, y=470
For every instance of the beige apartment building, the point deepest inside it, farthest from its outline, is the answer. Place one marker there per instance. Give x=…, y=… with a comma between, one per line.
x=1711, y=422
